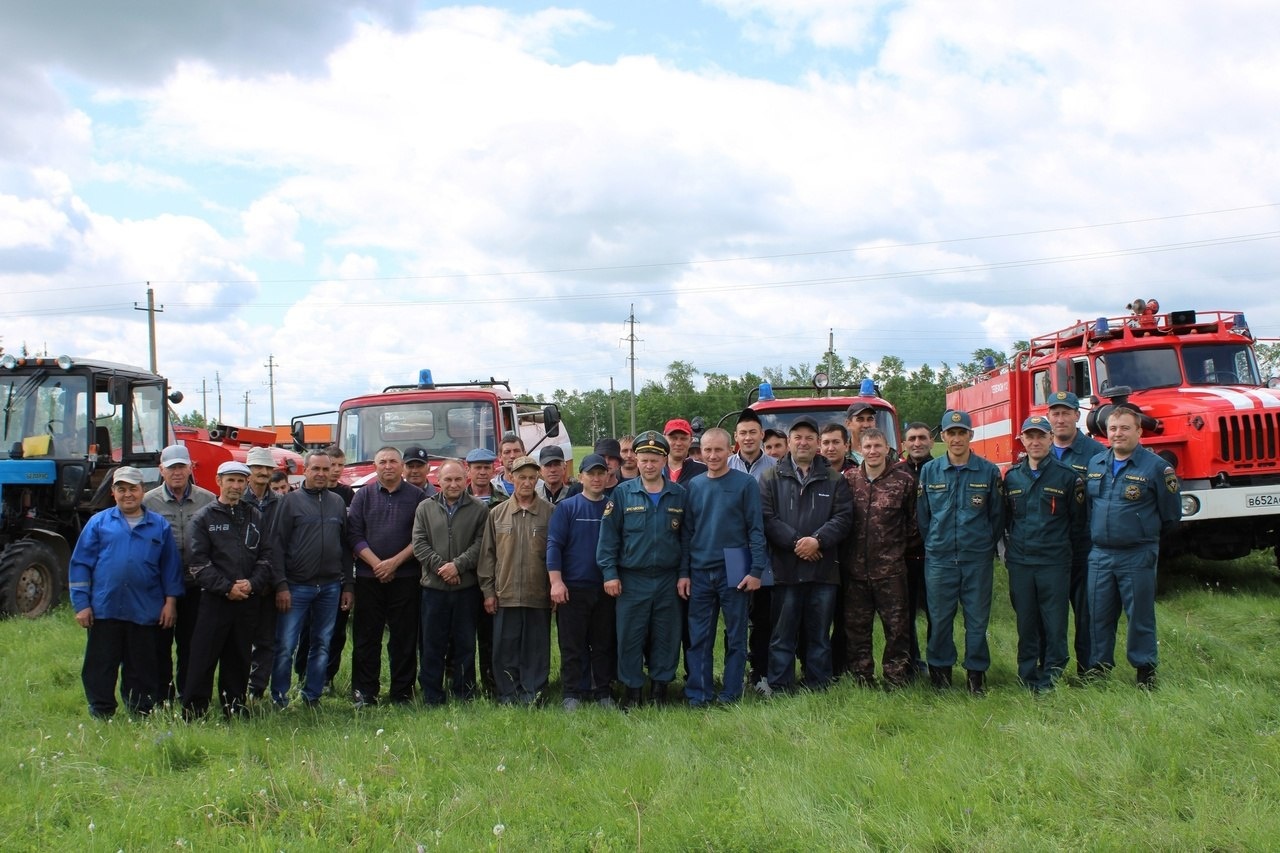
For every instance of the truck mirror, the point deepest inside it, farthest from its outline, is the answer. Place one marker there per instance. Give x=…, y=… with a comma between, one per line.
x=297, y=431
x=117, y=390
x=551, y=419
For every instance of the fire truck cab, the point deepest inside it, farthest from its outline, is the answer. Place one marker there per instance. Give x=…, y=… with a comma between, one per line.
x=1206, y=410
x=780, y=412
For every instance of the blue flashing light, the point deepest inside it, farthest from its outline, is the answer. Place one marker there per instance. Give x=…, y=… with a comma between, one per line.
x=766, y=391
x=868, y=388
x=988, y=363
x=424, y=378
x=1239, y=322
x=1101, y=326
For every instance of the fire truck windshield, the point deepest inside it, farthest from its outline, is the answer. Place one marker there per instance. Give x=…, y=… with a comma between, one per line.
x=446, y=428
x=1203, y=364
x=782, y=419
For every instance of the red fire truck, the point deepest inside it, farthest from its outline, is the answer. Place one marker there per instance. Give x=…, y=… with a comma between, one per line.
x=780, y=412
x=1206, y=409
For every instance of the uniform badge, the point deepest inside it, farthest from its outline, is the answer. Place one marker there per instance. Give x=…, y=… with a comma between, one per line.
x=675, y=524
x=1171, y=480
x=1079, y=491
x=1132, y=493
x=608, y=509
x=1061, y=395
x=955, y=417
x=978, y=500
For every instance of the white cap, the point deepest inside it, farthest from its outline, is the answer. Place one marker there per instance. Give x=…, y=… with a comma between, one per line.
x=175, y=454
x=260, y=456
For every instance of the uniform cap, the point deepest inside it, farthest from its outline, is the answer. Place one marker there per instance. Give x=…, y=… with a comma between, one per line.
x=174, y=454
x=481, y=455
x=127, y=474
x=956, y=418
x=677, y=425
x=416, y=454
x=1036, y=422
x=523, y=462
x=1064, y=398
x=594, y=461
x=260, y=456
x=651, y=441
x=231, y=466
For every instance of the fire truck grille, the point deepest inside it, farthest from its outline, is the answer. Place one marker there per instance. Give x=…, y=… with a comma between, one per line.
x=1249, y=438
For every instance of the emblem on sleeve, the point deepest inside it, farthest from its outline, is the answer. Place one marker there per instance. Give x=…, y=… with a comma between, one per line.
x=608, y=509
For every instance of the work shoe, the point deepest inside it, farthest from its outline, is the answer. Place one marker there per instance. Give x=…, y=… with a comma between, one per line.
x=762, y=688
x=658, y=692
x=606, y=702
x=360, y=700
x=940, y=677
x=976, y=681
x=1147, y=677
x=571, y=704
x=633, y=698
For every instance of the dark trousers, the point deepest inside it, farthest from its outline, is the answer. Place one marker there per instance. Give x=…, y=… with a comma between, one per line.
x=484, y=640
x=917, y=603
x=392, y=606
x=586, y=630
x=337, y=642
x=1079, y=594
x=172, y=681
x=840, y=662
x=223, y=638
x=263, y=656
x=448, y=619
x=802, y=616
x=521, y=653
x=863, y=599
x=760, y=623
x=1039, y=597
x=114, y=645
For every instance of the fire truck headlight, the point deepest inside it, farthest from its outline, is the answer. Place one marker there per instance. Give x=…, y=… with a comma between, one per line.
x=1190, y=505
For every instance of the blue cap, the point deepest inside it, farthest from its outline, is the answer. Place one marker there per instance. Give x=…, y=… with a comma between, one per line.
x=956, y=418
x=1039, y=422
x=592, y=461
x=1064, y=398
x=481, y=455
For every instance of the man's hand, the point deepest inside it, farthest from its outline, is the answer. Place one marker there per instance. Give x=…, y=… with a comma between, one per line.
x=491, y=606
x=613, y=589
x=808, y=548
x=385, y=570
x=347, y=599
x=169, y=613
x=85, y=618
x=449, y=574
x=682, y=588
x=749, y=584
x=559, y=593
x=240, y=590
x=283, y=599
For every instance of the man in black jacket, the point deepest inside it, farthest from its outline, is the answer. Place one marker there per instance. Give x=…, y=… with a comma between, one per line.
x=808, y=512
x=231, y=563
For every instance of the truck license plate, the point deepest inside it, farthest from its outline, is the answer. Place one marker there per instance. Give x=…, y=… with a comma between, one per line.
x=1257, y=501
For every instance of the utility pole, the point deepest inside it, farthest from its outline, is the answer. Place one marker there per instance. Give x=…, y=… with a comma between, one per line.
x=151, y=310
x=271, y=383
x=831, y=359
x=632, y=358
x=217, y=379
x=204, y=396
x=246, y=409
x=613, y=411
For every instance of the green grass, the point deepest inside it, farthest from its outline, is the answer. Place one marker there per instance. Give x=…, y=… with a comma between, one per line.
x=1195, y=764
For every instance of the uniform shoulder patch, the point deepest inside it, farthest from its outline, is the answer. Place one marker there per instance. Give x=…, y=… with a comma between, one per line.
x=608, y=509
x=1170, y=480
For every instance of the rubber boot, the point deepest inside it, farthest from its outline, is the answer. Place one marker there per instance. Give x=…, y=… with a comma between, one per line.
x=658, y=692
x=977, y=682
x=940, y=677
x=1147, y=677
x=634, y=698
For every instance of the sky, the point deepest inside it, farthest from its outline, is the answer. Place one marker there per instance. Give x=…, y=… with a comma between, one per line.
x=355, y=191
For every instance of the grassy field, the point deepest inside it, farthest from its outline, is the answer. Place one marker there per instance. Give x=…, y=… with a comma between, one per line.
x=1194, y=765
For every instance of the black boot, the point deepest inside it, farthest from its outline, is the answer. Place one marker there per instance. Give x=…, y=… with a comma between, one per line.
x=977, y=682
x=940, y=676
x=634, y=698
x=658, y=692
x=1147, y=677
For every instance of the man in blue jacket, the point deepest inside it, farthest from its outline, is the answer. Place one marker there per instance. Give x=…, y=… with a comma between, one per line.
x=1134, y=499
x=960, y=509
x=125, y=580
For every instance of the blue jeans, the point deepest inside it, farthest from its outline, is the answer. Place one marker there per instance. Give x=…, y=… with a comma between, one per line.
x=709, y=596
x=320, y=603
x=807, y=607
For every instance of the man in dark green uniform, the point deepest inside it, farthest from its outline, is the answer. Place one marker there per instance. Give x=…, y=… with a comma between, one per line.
x=960, y=508
x=643, y=554
x=1134, y=498
x=1044, y=502
x=1074, y=448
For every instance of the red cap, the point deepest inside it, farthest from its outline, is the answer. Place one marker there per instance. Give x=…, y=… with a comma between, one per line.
x=677, y=425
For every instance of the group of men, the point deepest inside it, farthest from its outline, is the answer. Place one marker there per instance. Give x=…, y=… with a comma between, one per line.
x=639, y=560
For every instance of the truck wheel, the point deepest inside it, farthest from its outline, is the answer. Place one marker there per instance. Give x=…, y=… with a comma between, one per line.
x=30, y=579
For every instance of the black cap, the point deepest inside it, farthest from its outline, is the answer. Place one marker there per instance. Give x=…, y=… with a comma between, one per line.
x=651, y=441
x=609, y=448
x=551, y=452
x=415, y=453
x=803, y=421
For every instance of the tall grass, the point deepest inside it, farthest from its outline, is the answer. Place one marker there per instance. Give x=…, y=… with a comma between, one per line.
x=1195, y=764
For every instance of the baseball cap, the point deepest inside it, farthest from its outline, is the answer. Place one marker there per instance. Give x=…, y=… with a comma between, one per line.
x=260, y=456
x=609, y=448
x=231, y=466
x=127, y=474
x=592, y=461
x=677, y=425
x=1038, y=422
x=749, y=414
x=857, y=408
x=651, y=441
x=1064, y=398
x=523, y=462
x=174, y=454
x=803, y=421
x=956, y=418
x=481, y=455
x=551, y=453
x=415, y=454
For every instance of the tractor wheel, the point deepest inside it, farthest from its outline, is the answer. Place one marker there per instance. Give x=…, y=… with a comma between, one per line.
x=30, y=579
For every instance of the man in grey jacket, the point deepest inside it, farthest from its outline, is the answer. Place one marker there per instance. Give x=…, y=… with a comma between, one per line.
x=447, y=532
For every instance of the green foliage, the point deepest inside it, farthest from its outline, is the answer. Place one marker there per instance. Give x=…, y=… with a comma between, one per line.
x=1193, y=765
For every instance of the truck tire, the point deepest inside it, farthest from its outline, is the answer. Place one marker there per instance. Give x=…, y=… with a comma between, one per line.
x=30, y=579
